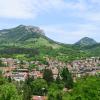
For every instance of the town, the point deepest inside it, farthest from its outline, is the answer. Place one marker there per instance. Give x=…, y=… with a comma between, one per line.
x=19, y=70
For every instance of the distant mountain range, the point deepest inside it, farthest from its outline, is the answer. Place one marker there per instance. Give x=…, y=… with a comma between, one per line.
x=24, y=33
x=33, y=37
x=27, y=36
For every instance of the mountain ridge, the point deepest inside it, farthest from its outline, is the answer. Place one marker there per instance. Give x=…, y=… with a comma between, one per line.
x=23, y=38
x=28, y=34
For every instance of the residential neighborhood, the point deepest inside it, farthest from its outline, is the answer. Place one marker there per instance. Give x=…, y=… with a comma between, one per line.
x=19, y=70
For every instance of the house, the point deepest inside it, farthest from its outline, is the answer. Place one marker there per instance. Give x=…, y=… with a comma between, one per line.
x=20, y=75
x=37, y=74
x=6, y=69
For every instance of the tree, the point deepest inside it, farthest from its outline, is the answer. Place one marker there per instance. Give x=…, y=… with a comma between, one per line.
x=1, y=64
x=48, y=75
x=8, y=92
x=58, y=80
x=2, y=80
x=27, y=92
x=39, y=87
x=32, y=66
x=67, y=78
x=29, y=80
x=87, y=88
x=54, y=93
x=9, y=79
x=0, y=73
x=21, y=64
x=59, y=96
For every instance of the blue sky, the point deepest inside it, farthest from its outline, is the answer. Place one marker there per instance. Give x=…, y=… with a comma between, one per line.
x=65, y=21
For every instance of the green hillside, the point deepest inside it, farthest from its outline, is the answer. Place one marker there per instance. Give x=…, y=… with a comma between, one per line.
x=86, y=41
x=25, y=36
x=30, y=42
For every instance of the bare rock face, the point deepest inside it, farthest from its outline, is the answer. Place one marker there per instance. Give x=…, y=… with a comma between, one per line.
x=33, y=29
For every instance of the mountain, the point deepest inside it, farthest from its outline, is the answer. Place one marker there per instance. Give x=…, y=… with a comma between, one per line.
x=86, y=41
x=27, y=36
x=28, y=41
x=21, y=33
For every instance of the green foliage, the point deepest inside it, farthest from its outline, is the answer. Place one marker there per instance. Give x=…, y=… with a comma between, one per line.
x=32, y=66
x=2, y=80
x=9, y=79
x=48, y=75
x=2, y=64
x=85, y=89
x=27, y=92
x=67, y=78
x=29, y=80
x=23, y=40
x=0, y=72
x=8, y=92
x=54, y=93
x=86, y=42
x=39, y=87
x=26, y=37
x=58, y=80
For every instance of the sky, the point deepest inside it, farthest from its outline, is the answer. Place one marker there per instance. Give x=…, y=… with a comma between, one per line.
x=64, y=21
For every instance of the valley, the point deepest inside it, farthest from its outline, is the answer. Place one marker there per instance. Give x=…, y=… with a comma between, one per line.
x=39, y=67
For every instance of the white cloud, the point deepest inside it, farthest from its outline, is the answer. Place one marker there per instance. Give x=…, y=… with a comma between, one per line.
x=14, y=9
x=32, y=8
x=90, y=12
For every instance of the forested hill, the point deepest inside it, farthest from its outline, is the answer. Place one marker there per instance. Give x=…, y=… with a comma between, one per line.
x=29, y=41
x=86, y=41
x=25, y=36
x=21, y=33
